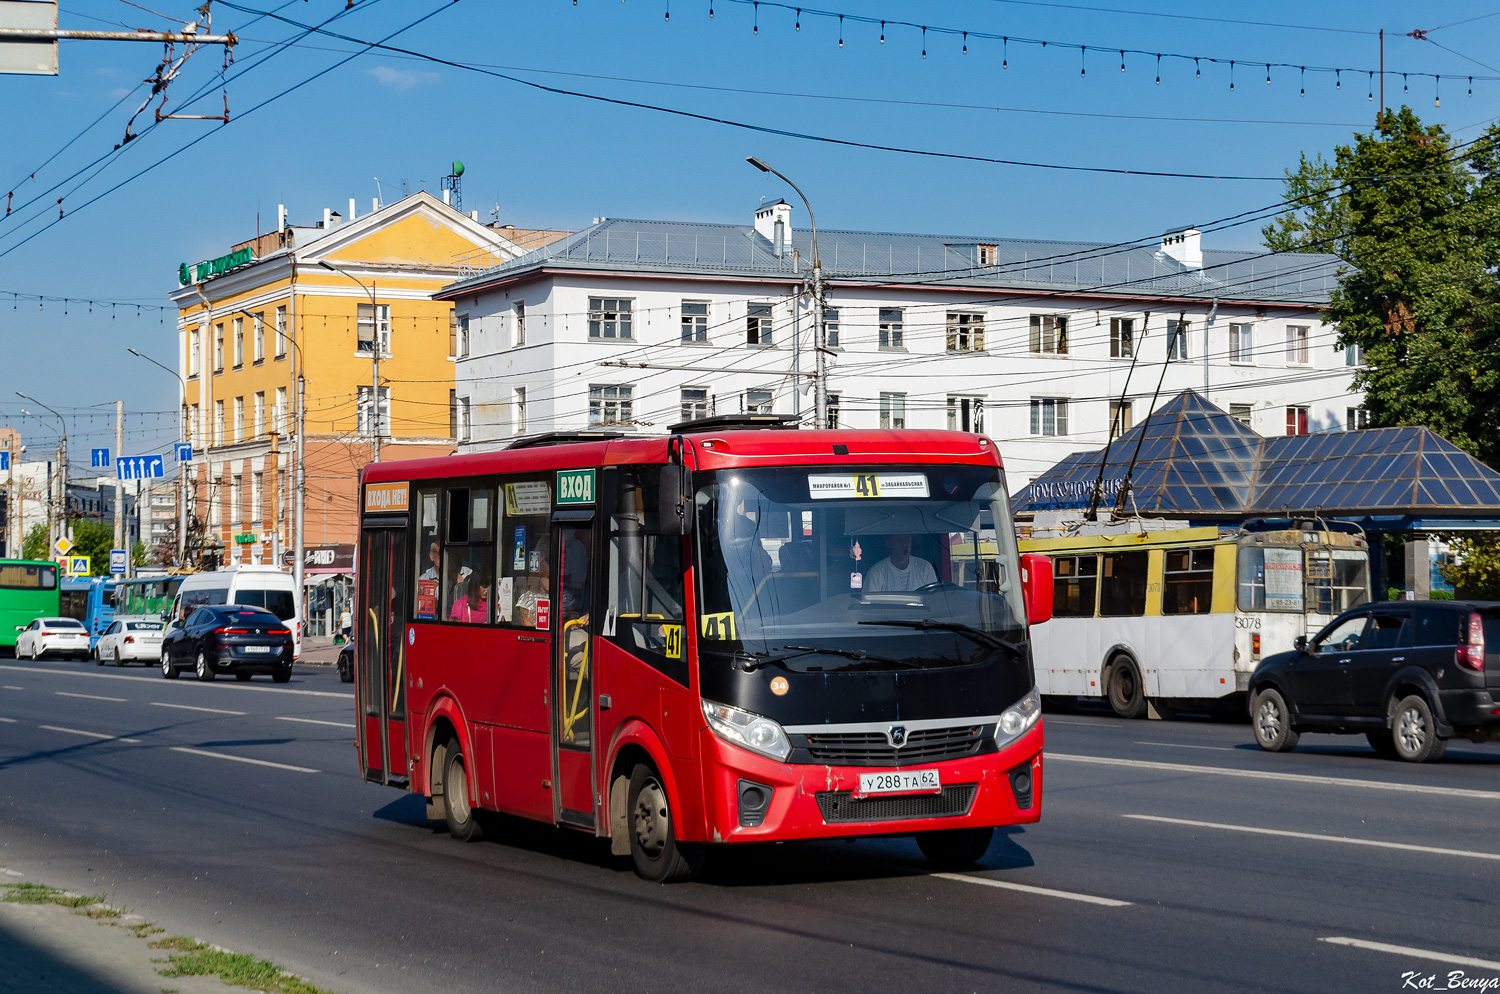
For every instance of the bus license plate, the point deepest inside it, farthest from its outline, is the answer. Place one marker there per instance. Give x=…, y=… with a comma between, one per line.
x=900, y=782
x=257, y=648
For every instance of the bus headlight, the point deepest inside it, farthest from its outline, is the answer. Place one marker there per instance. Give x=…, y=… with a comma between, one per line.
x=750, y=731
x=1019, y=718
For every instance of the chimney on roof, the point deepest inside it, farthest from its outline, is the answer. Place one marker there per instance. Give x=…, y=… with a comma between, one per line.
x=327, y=217
x=1186, y=247
x=351, y=208
x=281, y=217
x=773, y=222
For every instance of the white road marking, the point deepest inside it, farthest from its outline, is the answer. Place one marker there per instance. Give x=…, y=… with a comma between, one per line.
x=314, y=721
x=217, y=685
x=9, y=687
x=1066, y=895
x=1346, y=840
x=192, y=707
x=92, y=735
x=1302, y=778
x=1184, y=745
x=8, y=721
x=92, y=697
x=1412, y=951
x=244, y=759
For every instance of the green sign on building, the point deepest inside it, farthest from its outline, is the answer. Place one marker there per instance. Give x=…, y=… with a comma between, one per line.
x=575, y=486
x=198, y=273
x=247, y=538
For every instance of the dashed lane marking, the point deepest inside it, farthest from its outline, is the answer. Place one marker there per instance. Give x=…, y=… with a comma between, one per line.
x=8, y=721
x=315, y=721
x=1300, y=778
x=9, y=687
x=91, y=697
x=220, y=686
x=1314, y=837
x=245, y=759
x=1184, y=745
x=1412, y=951
x=1066, y=895
x=193, y=707
x=92, y=735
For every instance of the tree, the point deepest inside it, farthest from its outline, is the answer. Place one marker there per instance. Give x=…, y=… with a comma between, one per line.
x=93, y=538
x=1473, y=566
x=1317, y=219
x=35, y=544
x=140, y=554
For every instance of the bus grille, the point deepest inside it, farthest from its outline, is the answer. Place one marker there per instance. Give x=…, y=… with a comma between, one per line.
x=928, y=745
x=842, y=805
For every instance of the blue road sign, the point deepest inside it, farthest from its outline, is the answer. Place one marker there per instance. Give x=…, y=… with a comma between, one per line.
x=101, y=458
x=4, y=460
x=139, y=467
x=184, y=452
x=117, y=561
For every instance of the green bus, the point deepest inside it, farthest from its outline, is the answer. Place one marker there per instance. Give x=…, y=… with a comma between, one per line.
x=28, y=590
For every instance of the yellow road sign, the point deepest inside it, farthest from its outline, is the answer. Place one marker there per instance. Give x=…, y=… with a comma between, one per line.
x=62, y=545
x=79, y=565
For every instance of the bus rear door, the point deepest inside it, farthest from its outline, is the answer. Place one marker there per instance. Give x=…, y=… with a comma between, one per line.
x=380, y=649
x=573, y=737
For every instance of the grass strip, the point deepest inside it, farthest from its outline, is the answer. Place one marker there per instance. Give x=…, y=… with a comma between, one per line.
x=29, y=893
x=191, y=958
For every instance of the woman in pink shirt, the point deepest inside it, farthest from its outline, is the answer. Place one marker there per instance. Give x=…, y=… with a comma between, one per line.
x=474, y=607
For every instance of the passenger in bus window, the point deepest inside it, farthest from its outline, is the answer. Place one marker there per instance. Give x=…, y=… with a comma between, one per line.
x=900, y=571
x=434, y=556
x=473, y=607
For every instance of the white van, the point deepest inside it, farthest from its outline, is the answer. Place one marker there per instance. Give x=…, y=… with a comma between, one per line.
x=248, y=586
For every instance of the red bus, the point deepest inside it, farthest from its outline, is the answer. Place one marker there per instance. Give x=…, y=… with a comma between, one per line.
x=733, y=634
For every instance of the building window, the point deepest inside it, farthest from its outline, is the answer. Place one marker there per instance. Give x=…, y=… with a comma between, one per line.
x=1296, y=421
x=758, y=324
x=458, y=336
x=278, y=417
x=219, y=347
x=1241, y=413
x=695, y=403
x=520, y=404
x=965, y=332
x=366, y=330
x=1296, y=345
x=1049, y=416
x=260, y=413
x=1354, y=355
x=1356, y=418
x=609, y=318
x=259, y=343
x=892, y=328
x=893, y=410
x=758, y=402
x=257, y=496
x=215, y=503
x=611, y=404
x=1239, y=343
x=281, y=332
x=695, y=320
x=195, y=342
x=520, y=308
x=1177, y=339
x=831, y=328
x=366, y=425
x=1049, y=334
x=239, y=342
x=239, y=419
x=966, y=414
x=1121, y=418
x=458, y=416
x=236, y=511
x=988, y=255
x=218, y=422
x=195, y=427
x=1122, y=338
x=831, y=405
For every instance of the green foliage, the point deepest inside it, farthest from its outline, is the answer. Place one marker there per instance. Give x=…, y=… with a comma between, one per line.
x=30, y=893
x=1473, y=566
x=140, y=554
x=1418, y=220
x=94, y=538
x=191, y=958
x=35, y=544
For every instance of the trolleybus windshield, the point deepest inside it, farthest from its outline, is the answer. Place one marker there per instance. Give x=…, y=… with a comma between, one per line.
x=872, y=568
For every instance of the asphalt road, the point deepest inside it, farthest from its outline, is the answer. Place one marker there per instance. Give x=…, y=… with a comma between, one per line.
x=233, y=812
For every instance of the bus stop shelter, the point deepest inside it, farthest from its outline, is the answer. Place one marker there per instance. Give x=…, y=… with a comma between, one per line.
x=1191, y=460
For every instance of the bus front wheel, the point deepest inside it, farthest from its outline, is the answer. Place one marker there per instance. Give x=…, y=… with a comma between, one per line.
x=1126, y=694
x=658, y=856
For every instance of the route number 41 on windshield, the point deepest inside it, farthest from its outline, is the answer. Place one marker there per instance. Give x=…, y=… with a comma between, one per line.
x=828, y=486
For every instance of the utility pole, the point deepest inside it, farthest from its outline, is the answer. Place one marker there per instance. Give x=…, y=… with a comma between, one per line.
x=301, y=492
x=120, y=484
x=375, y=349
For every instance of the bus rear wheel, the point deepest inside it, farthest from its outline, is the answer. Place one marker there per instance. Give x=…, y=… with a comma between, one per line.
x=456, y=807
x=1126, y=694
x=658, y=856
x=955, y=848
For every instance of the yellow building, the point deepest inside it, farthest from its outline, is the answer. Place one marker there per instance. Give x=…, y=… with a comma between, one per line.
x=312, y=303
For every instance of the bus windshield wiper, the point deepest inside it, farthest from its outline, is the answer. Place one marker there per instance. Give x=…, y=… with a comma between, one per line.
x=977, y=634
x=803, y=650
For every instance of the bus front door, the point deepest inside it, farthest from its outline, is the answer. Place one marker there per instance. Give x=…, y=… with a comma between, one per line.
x=380, y=653
x=572, y=671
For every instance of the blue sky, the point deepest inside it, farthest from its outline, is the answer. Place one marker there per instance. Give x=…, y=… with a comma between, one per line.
x=548, y=160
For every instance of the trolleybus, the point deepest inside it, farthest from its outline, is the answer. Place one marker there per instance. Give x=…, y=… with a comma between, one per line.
x=89, y=600
x=1179, y=617
x=733, y=634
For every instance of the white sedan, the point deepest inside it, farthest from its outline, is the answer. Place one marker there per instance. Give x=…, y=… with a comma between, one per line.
x=130, y=638
x=53, y=637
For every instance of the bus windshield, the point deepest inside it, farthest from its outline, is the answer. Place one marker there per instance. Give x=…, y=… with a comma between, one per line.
x=912, y=562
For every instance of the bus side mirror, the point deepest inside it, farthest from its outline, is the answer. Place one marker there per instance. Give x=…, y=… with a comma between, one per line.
x=1300, y=643
x=674, y=501
x=1036, y=587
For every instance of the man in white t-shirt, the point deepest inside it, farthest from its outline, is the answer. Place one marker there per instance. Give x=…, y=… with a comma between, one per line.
x=899, y=571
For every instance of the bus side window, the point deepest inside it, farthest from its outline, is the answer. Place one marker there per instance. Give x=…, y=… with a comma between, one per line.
x=1188, y=581
x=522, y=566
x=645, y=614
x=429, y=555
x=1250, y=572
x=468, y=556
x=1075, y=582
x=1123, y=590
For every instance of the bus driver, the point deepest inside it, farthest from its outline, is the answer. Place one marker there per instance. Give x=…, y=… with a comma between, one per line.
x=899, y=571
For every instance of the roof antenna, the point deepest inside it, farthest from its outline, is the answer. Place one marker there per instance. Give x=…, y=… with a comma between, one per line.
x=1124, y=495
x=1092, y=514
x=378, y=194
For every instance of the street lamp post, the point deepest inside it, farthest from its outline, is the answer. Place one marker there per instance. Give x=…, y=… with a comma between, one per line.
x=181, y=468
x=62, y=460
x=374, y=358
x=820, y=387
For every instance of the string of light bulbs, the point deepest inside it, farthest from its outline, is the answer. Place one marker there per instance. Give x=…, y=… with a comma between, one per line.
x=43, y=299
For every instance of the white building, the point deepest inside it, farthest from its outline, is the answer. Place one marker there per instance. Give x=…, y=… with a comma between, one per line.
x=640, y=324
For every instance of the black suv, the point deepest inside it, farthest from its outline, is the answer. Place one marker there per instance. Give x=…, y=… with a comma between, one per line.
x=1409, y=674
